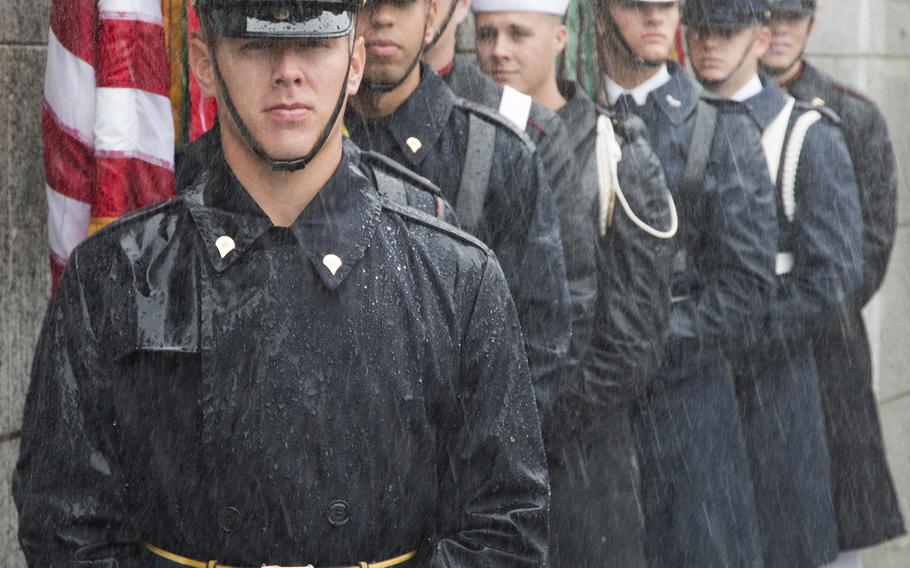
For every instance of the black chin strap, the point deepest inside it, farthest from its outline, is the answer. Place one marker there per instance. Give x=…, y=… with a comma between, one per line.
x=276, y=164
x=376, y=87
x=445, y=25
x=713, y=85
x=778, y=71
x=635, y=57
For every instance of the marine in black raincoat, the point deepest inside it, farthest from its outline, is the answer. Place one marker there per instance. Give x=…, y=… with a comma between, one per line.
x=519, y=219
x=865, y=499
x=777, y=381
x=596, y=516
x=337, y=391
x=696, y=484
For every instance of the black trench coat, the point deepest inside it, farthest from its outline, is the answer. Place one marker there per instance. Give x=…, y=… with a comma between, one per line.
x=865, y=500
x=258, y=407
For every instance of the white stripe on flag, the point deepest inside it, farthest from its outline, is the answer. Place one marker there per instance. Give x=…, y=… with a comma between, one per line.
x=69, y=88
x=135, y=124
x=67, y=222
x=140, y=10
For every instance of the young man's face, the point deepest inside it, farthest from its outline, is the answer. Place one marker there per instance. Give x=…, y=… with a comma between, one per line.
x=395, y=31
x=285, y=90
x=648, y=27
x=723, y=57
x=789, y=35
x=519, y=49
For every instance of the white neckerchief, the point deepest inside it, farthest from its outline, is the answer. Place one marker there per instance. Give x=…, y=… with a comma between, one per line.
x=749, y=90
x=639, y=93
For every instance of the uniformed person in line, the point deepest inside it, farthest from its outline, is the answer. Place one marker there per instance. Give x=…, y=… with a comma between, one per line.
x=865, y=500
x=485, y=166
x=595, y=516
x=548, y=132
x=819, y=265
x=696, y=484
x=215, y=384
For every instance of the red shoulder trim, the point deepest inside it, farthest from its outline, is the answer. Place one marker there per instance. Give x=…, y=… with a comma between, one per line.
x=537, y=126
x=852, y=92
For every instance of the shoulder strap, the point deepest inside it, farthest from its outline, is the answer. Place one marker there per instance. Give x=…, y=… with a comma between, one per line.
x=475, y=175
x=391, y=186
x=775, y=136
x=693, y=179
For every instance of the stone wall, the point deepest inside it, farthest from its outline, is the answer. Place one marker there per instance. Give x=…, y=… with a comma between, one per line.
x=864, y=42
x=24, y=276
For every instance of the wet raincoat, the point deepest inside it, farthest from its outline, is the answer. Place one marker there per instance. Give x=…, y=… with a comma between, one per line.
x=696, y=483
x=519, y=221
x=596, y=518
x=865, y=500
x=776, y=378
x=346, y=389
x=554, y=146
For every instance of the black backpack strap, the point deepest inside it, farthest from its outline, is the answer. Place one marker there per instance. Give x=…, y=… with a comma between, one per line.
x=391, y=186
x=475, y=176
x=693, y=180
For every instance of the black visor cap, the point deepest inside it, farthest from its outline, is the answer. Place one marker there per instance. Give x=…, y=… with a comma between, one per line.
x=274, y=19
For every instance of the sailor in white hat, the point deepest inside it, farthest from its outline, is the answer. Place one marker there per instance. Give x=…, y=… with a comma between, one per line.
x=517, y=44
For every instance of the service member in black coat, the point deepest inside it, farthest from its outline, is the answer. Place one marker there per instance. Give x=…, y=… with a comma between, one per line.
x=696, y=484
x=495, y=181
x=819, y=266
x=595, y=515
x=280, y=365
x=545, y=128
x=864, y=496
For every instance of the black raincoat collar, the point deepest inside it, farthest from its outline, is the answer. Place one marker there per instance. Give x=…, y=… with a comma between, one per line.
x=341, y=220
x=766, y=105
x=422, y=118
x=679, y=97
x=578, y=107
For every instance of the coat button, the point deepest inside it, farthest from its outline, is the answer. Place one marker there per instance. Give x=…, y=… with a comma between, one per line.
x=338, y=514
x=229, y=519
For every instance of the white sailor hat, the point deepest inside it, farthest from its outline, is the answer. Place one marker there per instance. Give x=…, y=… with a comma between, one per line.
x=557, y=7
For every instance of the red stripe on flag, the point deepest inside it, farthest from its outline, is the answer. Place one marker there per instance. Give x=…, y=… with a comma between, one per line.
x=68, y=162
x=125, y=184
x=131, y=54
x=73, y=22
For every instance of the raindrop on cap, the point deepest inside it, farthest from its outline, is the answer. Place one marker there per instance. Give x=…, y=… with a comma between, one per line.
x=332, y=262
x=225, y=245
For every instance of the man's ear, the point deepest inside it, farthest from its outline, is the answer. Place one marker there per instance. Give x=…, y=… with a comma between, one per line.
x=562, y=38
x=201, y=64
x=762, y=41
x=358, y=61
x=462, y=9
x=432, y=14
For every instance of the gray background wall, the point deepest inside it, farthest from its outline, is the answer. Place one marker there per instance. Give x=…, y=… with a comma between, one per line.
x=864, y=42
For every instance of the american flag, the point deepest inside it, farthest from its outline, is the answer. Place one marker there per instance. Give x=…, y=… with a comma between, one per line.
x=107, y=123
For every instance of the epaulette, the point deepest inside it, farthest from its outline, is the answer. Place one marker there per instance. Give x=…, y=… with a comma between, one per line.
x=390, y=166
x=431, y=222
x=493, y=116
x=852, y=93
x=819, y=106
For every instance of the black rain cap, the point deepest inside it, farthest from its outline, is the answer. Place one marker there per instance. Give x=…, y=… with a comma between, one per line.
x=727, y=14
x=805, y=7
x=279, y=18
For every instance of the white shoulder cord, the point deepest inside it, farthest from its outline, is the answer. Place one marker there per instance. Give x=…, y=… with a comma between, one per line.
x=791, y=160
x=609, y=154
